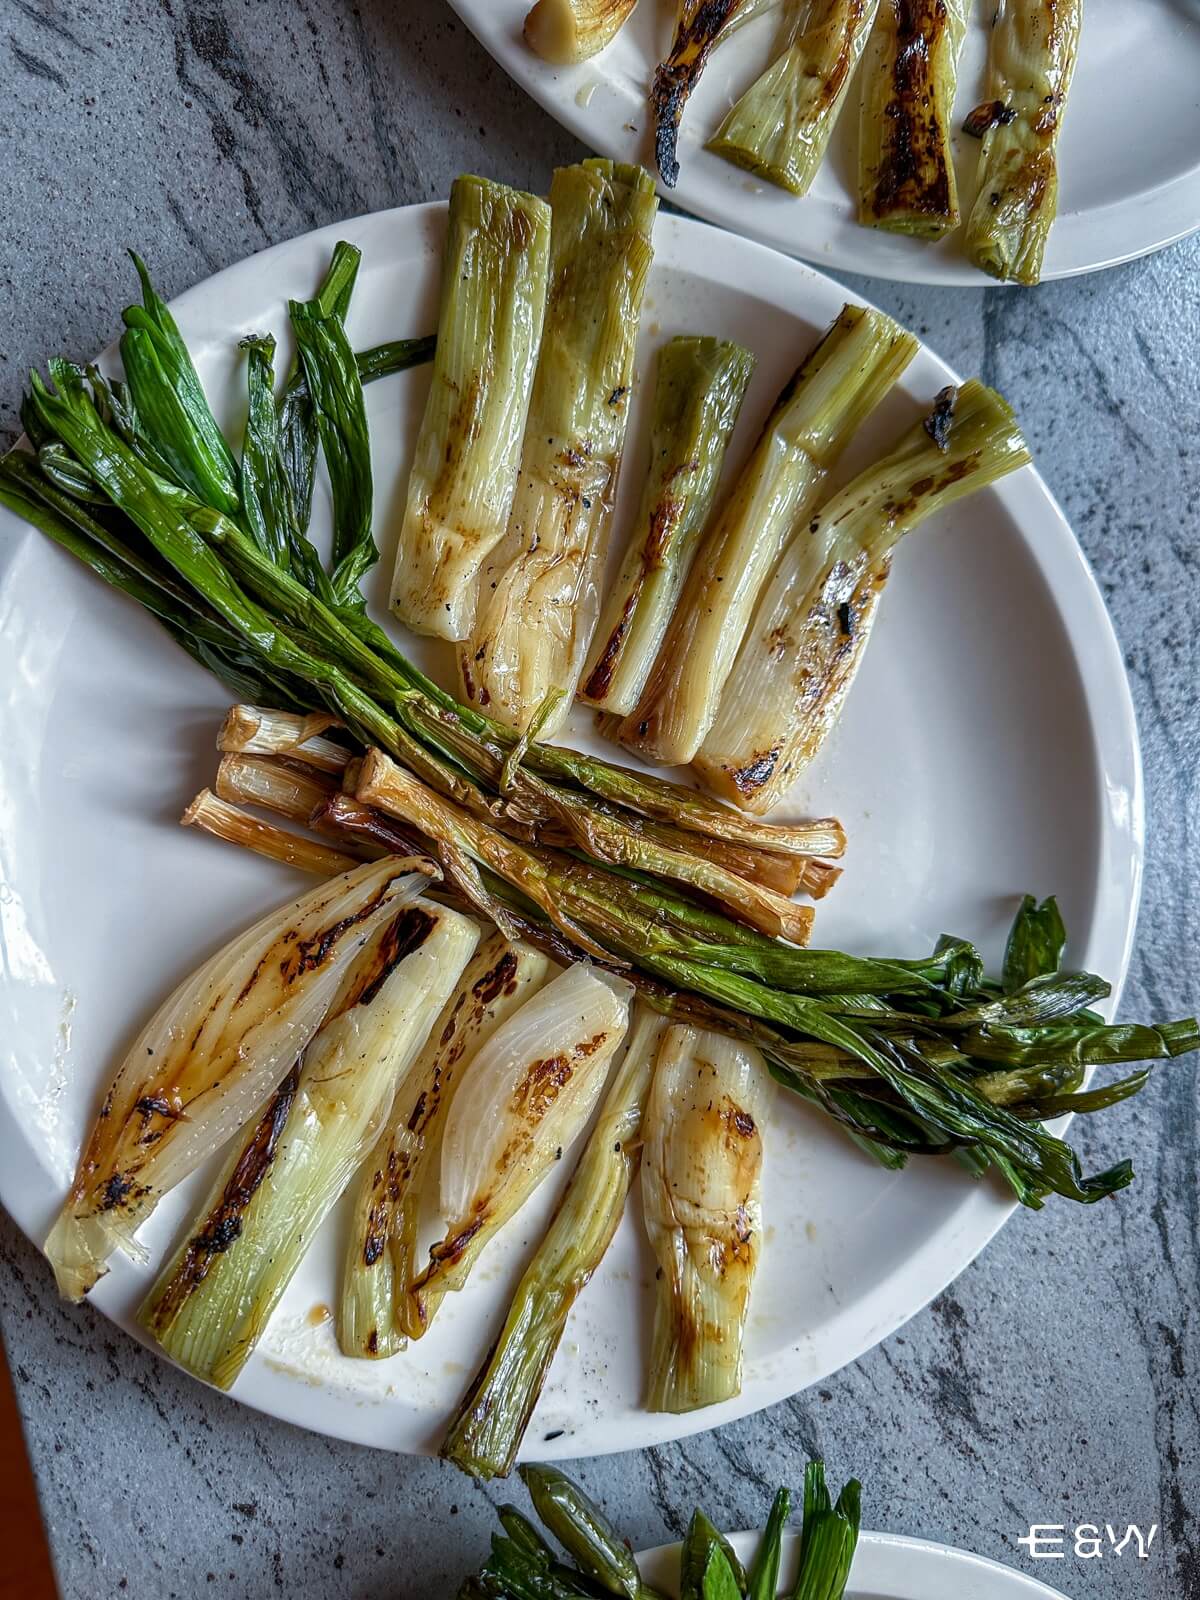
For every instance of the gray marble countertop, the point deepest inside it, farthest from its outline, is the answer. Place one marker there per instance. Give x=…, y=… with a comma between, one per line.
x=1056, y=1381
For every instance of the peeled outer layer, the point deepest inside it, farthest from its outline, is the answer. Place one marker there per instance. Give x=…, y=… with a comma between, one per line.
x=538, y=594
x=464, y=470
x=214, y=1299
x=380, y=1263
x=526, y=1096
x=815, y=417
x=252, y=730
x=698, y=394
x=486, y=1434
x=565, y=31
x=811, y=628
x=780, y=128
x=1034, y=44
x=701, y=1172
x=906, y=180
x=209, y=1057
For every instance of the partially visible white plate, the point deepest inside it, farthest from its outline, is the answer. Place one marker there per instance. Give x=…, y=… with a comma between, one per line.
x=988, y=748
x=887, y=1566
x=1130, y=150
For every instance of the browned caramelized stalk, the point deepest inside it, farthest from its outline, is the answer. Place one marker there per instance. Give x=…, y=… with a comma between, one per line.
x=698, y=27
x=230, y=822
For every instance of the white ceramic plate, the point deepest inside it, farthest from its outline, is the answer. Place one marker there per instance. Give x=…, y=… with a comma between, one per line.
x=887, y=1566
x=1130, y=151
x=989, y=748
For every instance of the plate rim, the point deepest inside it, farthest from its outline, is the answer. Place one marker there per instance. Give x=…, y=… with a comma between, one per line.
x=958, y=1241
x=920, y=1561
x=539, y=79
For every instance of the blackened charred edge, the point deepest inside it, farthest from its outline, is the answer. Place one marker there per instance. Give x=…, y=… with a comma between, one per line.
x=223, y=1225
x=499, y=979
x=939, y=421
x=451, y=1250
x=991, y=114
x=676, y=77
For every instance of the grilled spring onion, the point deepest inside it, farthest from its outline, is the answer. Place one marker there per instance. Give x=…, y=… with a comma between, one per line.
x=780, y=128
x=253, y=730
x=701, y=1172
x=210, y=1056
x=811, y=628
x=538, y=599
x=1033, y=48
x=699, y=25
x=698, y=394
x=464, y=470
x=226, y=821
x=566, y=31
x=213, y=1300
x=839, y=384
x=488, y=1428
x=906, y=180
x=380, y=1264
x=525, y=1096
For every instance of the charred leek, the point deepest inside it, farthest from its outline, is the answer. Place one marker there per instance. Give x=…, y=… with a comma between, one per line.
x=566, y=31
x=698, y=393
x=487, y=1431
x=810, y=632
x=525, y=1097
x=209, y=1058
x=699, y=25
x=215, y=1297
x=814, y=419
x=906, y=176
x=376, y=1315
x=464, y=472
x=1034, y=44
x=538, y=591
x=701, y=1177
x=780, y=128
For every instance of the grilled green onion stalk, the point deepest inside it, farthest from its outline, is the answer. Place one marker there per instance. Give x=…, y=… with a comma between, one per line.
x=1033, y=48
x=524, y=1098
x=811, y=628
x=698, y=394
x=906, y=180
x=538, y=594
x=253, y=730
x=566, y=31
x=375, y=1315
x=210, y=1056
x=487, y=1430
x=464, y=470
x=699, y=25
x=225, y=820
x=817, y=415
x=780, y=128
x=701, y=1174
x=215, y=1297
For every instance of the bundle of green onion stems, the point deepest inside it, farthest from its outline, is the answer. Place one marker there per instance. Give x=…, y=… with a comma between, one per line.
x=523, y=1565
x=429, y=808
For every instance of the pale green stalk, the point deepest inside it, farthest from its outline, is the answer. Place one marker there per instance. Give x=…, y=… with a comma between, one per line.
x=780, y=128
x=811, y=628
x=1034, y=44
x=817, y=415
x=538, y=594
x=464, y=470
x=698, y=394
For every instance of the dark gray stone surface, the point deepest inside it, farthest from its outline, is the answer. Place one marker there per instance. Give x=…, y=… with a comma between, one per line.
x=1056, y=1381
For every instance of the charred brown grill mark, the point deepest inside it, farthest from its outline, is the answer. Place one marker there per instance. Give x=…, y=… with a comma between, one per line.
x=223, y=1225
x=310, y=954
x=914, y=175
x=373, y=1341
x=253, y=978
x=743, y=1122
x=756, y=773
x=991, y=114
x=500, y=979
x=406, y=933
x=116, y=1190
x=157, y=1105
x=676, y=77
x=664, y=519
x=452, y=1249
